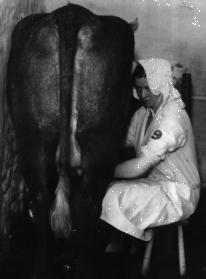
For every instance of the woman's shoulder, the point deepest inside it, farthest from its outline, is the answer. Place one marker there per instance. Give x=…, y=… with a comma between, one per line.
x=173, y=107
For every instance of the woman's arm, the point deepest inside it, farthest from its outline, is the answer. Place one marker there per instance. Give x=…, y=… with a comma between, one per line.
x=133, y=168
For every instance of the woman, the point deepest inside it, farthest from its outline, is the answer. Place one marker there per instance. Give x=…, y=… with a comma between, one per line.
x=161, y=185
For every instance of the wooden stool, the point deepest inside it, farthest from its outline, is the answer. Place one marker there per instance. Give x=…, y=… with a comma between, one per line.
x=181, y=250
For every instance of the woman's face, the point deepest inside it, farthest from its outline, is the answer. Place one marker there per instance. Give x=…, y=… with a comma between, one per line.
x=144, y=93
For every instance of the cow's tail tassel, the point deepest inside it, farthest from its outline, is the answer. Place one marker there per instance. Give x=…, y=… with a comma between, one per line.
x=60, y=212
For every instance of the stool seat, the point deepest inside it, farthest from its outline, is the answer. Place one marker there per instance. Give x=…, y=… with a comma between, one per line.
x=181, y=250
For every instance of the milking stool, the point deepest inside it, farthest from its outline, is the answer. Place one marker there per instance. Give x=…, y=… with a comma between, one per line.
x=181, y=250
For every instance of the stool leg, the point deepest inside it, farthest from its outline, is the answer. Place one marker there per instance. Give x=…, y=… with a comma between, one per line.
x=181, y=251
x=147, y=256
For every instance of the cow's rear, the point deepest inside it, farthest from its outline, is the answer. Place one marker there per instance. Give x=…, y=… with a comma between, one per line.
x=69, y=93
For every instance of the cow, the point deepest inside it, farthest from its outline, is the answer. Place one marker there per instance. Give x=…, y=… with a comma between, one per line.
x=69, y=94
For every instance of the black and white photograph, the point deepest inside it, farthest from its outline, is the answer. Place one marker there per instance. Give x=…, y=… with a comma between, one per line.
x=102, y=139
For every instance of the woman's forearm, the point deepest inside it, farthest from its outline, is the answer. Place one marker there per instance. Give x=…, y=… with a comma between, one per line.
x=133, y=168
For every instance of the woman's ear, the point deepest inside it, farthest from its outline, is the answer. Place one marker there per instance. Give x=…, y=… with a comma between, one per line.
x=135, y=94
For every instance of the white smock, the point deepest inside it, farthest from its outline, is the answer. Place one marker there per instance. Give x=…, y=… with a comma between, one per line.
x=171, y=190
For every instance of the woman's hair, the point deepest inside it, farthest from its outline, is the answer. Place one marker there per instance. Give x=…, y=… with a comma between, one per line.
x=139, y=72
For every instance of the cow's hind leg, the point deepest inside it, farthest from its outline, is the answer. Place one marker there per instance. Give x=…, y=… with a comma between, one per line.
x=98, y=162
x=41, y=178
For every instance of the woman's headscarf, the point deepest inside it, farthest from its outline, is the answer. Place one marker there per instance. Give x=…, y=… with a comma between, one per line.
x=159, y=76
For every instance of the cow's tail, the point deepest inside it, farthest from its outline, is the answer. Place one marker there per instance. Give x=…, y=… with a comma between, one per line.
x=60, y=214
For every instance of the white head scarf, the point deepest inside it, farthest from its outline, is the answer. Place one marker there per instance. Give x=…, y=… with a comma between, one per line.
x=159, y=77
